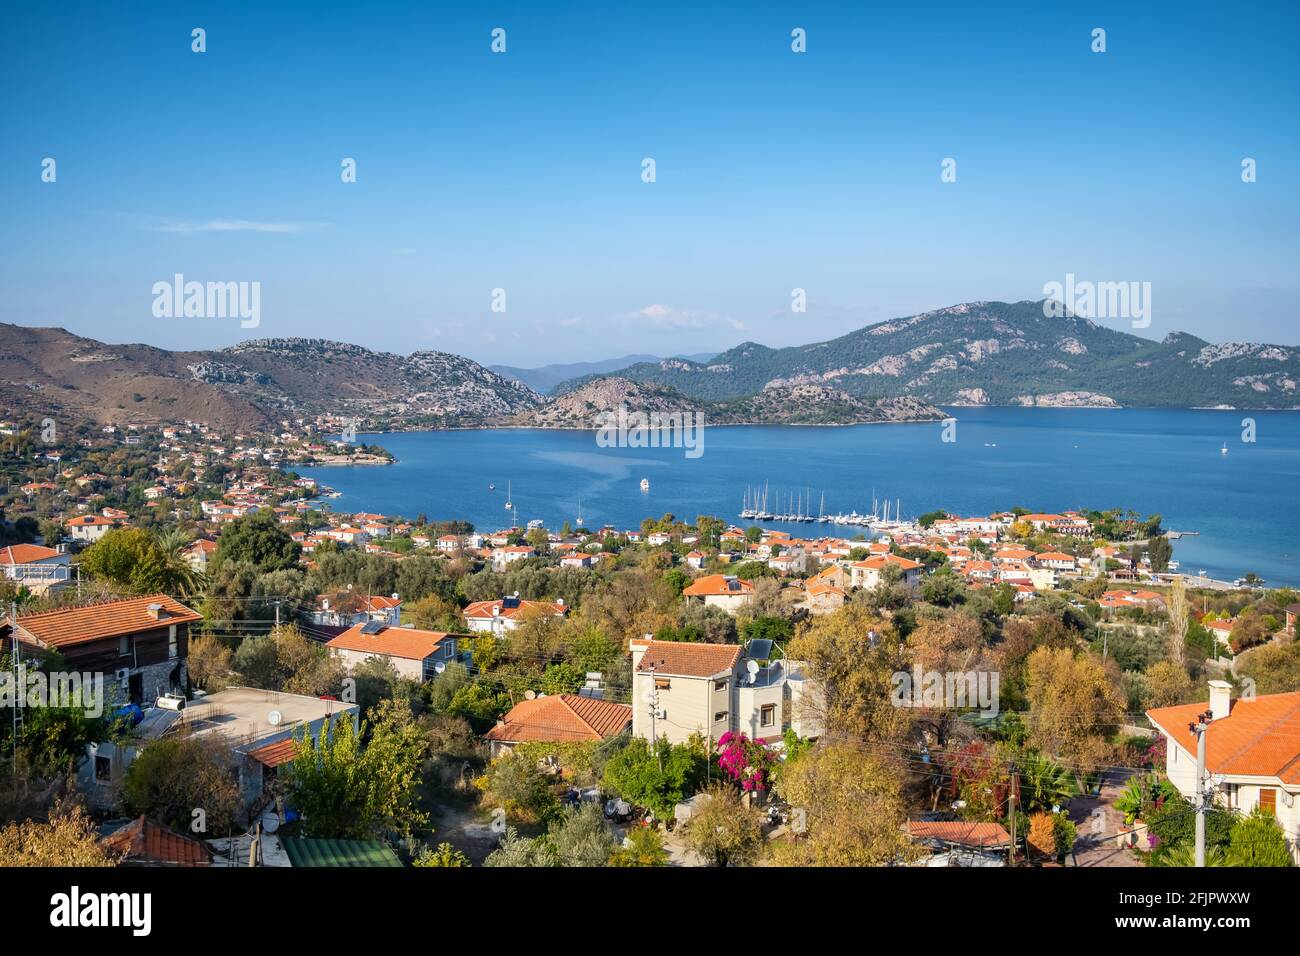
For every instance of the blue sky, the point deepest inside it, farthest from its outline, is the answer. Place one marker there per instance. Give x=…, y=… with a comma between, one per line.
x=522, y=171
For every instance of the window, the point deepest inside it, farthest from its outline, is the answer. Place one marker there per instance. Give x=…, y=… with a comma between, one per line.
x=103, y=768
x=1268, y=800
x=449, y=650
x=720, y=716
x=663, y=683
x=124, y=645
x=719, y=685
x=767, y=715
x=173, y=648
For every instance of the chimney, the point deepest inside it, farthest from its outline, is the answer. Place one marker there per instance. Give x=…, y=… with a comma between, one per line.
x=154, y=611
x=1220, y=699
x=638, y=646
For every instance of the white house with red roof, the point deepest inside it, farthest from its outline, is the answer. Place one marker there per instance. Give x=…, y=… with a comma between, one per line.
x=1252, y=753
x=88, y=528
x=502, y=558
x=413, y=653
x=507, y=613
x=35, y=567
x=869, y=573
x=725, y=591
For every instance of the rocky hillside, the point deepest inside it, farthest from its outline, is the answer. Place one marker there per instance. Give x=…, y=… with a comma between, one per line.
x=53, y=372
x=999, y=353
x=777, y=405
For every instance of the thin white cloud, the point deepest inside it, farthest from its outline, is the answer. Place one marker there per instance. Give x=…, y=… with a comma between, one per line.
x=238, y=225
x=666, y=317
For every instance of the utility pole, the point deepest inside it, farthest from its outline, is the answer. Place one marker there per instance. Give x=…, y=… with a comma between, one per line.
x=652, y=697
x=1202, y=792
x=1011, y=803
x=20, y=689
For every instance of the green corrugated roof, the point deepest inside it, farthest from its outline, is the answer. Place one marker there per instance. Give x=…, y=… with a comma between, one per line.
x=304, y=851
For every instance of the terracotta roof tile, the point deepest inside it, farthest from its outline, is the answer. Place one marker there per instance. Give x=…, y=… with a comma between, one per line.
x=687, y=659
x=78, y=625
x=406, y=642
x=1258, y=738
x=143, y=841
x=25, y=554
x=717, y=584
x=562, y=717
x=961, y=832
x=273, y=755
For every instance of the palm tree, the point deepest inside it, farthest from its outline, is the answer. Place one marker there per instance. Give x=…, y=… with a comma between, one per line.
x=181, y=576
x=1044, y=783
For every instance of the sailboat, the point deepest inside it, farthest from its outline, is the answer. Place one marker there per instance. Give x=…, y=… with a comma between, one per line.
x=645, y=484
x=579, y=518
x=509, y=503
x=1224, y=449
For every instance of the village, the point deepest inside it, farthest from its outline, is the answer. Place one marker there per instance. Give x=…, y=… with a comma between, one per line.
x=685, y=692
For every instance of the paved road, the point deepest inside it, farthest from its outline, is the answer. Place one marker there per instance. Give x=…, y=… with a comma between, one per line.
x=1092, y=849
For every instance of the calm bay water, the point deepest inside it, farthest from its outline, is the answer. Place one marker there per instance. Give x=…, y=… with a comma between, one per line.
x=1243, y=503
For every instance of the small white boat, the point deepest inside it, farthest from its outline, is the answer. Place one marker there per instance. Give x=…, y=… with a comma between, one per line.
x=1224, y=449
x=509, y=504
x=645, y=484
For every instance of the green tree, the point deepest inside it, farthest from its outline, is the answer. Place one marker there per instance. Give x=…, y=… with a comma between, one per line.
x=1258, y=840
x=347, y=791
x=643, y=846
x=259, y=540
x=657, y=777
x=174, y=776
x=445, y=855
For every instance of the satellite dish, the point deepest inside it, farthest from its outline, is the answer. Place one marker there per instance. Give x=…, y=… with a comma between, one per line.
x=530, y=695
x=274, y=718
x=752, y=667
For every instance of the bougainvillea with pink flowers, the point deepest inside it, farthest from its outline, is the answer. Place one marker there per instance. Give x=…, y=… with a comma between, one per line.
x=745, y=761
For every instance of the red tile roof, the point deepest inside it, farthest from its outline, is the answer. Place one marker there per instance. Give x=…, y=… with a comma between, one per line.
x=960, y=832
x=483, y=609
x=1258, y=738
x=406, y=642
x=26, y=554
x=77, y=625
x=686, y=658
x=273, y=755
x=717, y=584
x=143, y=841
x=562, y=717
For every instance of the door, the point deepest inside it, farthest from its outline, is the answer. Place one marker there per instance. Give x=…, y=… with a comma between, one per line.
x=1268, y=800
x=136, y=687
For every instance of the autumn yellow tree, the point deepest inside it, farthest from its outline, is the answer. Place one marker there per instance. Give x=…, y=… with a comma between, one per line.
x=68, y=839
x=1073, y=708
x=1167, y=684
x=849, y=804
x=854, y=672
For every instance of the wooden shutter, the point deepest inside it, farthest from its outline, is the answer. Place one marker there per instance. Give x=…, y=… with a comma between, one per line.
x=1268, y=799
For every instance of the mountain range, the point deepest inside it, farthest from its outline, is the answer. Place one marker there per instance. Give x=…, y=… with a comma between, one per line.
x=998, y=353
x=249, y=385
x=977, y=353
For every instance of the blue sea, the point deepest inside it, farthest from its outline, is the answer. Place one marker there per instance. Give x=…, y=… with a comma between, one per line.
x=1243, y=504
